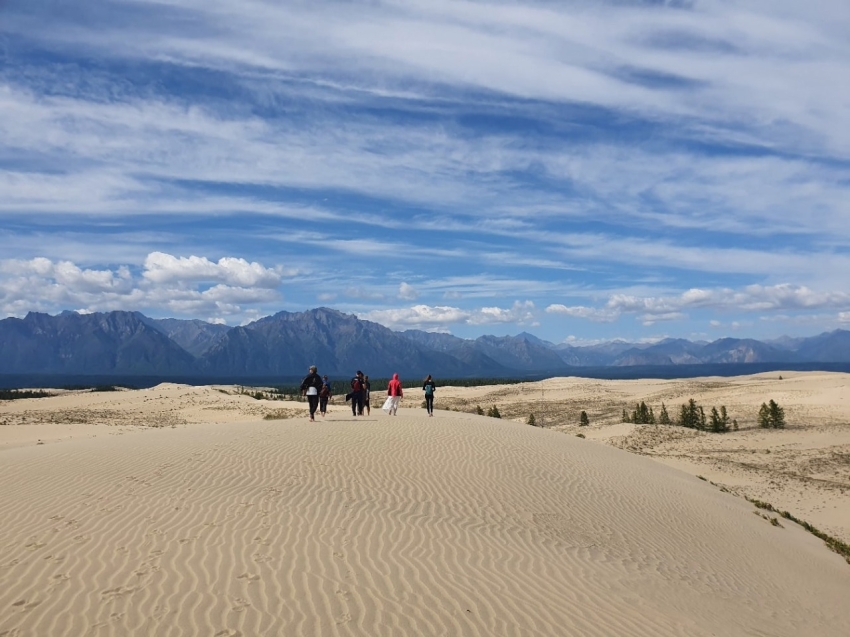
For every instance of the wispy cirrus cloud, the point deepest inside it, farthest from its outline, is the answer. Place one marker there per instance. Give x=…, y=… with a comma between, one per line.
x=431, y=151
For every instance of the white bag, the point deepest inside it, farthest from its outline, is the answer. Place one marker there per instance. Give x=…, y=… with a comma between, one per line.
x=387, y=404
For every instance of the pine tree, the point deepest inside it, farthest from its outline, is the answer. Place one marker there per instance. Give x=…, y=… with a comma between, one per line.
x=663, y=417
x=479, y=411
x=642, y=415
x=714, y=420
x=764, y=416
x=719, y=421
x=626, y=416
x=777, y=415
x=494, y=412
x=692, y=416
x=531, y=420
x=583, y=420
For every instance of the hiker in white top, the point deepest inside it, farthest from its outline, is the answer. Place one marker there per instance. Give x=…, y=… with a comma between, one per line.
x=310, y=387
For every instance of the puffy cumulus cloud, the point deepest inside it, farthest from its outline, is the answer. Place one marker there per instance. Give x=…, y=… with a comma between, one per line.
x=219, y=300
x=844, y=317
x=165, y=268
x=174, y=284
x=69, y=275
x=407, y=292
x=753, y=298
x=520, y=312
x=436, y=318
x=419, y=317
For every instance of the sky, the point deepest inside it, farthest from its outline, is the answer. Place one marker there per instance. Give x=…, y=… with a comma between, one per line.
x=578, y=170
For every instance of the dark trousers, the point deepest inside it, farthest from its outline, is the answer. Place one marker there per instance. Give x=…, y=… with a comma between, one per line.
x=323, y=404
x=313, y=401
x=357, y=403
x=429, y=403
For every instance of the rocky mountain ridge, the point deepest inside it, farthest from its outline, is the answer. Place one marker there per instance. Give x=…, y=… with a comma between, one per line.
x=284, y=344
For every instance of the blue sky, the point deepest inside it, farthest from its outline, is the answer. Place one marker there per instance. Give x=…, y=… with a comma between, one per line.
x=578, y=170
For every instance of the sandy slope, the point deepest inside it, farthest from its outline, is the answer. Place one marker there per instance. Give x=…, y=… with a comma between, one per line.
x=221, y=523
x=803, y=469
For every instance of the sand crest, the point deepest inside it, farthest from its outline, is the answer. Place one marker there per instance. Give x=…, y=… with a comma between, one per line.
x=452, y=525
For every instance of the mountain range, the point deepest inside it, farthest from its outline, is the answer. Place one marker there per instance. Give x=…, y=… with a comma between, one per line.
x=285, y=344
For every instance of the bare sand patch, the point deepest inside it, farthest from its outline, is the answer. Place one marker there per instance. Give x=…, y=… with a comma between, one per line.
x=804, y=468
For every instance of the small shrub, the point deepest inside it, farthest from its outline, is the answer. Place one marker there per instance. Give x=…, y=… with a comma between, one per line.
x=493, y=412
x=579, y=435
x=583, y=420
x=478, y=410
x=531, y=421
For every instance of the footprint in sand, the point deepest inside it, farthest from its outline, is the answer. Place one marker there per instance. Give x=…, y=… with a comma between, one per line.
x=114, y=593
x=59, y=578
x=227, y=632
x=250, y=578
x=24, y=605
x=240, y=605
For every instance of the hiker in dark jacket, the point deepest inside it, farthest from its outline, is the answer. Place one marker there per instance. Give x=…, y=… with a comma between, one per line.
x=310, y=387
x=357, y=394
x=429, y=387
x=325, y=394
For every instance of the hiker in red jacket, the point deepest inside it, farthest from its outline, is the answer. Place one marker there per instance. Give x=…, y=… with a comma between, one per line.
x=395, y=392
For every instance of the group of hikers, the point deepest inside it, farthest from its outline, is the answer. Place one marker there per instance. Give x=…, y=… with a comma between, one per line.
x=318, y=391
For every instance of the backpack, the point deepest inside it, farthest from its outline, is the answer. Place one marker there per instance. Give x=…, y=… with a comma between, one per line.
x=429, y=389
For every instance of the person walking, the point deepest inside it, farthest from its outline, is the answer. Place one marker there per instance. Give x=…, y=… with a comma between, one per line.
x=325, y=394
x=429, y=387
x=357, y=394
x=395, y=393
x=367, y=393
x=310, y=387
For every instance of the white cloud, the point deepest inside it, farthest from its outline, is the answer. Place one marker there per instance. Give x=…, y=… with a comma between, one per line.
x=753, y=298
x=407, y=292
x=168, y=284
x=429, y=317
x=520, y=312
x=599, y=315
x=165, y=268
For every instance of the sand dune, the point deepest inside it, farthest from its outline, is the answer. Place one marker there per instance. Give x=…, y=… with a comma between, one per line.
x=222, y=523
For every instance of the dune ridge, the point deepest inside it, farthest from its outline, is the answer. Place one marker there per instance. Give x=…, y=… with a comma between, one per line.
x=453, y=525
